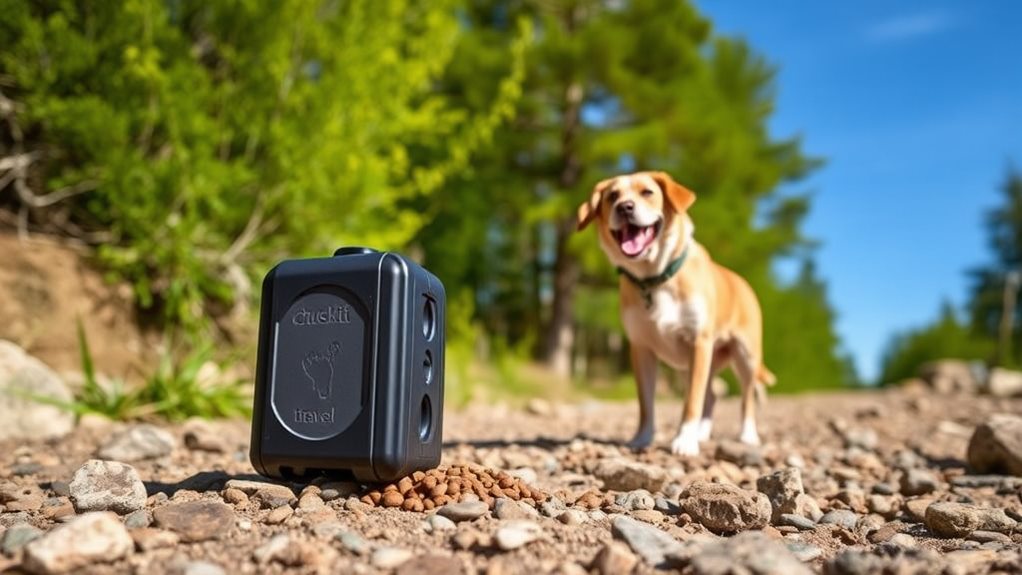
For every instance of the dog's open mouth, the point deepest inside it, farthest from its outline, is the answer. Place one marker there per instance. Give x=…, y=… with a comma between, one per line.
x=634, y=239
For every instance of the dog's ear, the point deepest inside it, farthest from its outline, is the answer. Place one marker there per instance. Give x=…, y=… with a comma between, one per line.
x=680, y=197
x=590, y=209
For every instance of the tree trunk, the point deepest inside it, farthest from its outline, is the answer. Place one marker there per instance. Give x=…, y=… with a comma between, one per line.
x=558, y=334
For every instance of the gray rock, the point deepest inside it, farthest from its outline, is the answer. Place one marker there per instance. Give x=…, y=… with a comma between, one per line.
x=17, y=536
x=861, y=437
x=107, y=486
x=804, y=552
x=841, y=517
x=440, y=523
x=464, y=510
x=797, y=521
x=782, y=488
x=650, y=543
x=137, y=443
x=666, y=506
x=960, y=519
x=996, y=445
x=627, y=475
x=87, y=539
x=739, y=453
x=918, y=482
x=354, y=542
x=23, y=377
x=725, y=508
x=196, y=520
x=635, y=500
x=137, y=519
x=515, y=534
x=12, y=519
x=751, y=552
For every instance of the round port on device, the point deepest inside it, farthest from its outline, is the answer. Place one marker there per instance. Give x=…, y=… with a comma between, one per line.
x=429, y=319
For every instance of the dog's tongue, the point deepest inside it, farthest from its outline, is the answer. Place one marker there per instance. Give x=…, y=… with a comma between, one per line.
x=635, y=239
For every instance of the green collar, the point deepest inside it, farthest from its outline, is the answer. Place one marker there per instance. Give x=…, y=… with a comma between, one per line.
x=646, y=285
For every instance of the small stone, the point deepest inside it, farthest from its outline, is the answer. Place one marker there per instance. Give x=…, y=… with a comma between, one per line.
x=430, y=565
x=918, y=482
x=57, y=507
x=235, y=496
x=797, y=521
x=781, y=487
x=739, y=453
x=293, y=552
x=626, y=475
x=201, y=568
x=196, y=520
x=137, y=443
x=614, y=558
x=841, y=517
x=149, y=538
x=390, y=557
x=804, y=552
x=861, y=437
x=137, y=519
x=573, y=517
x=392, y=499
x=250, y=488
x=636, y=500
x=107, y=486
x=960, y=519
x=199, y=436
x=464, y=511
x=353, y=542
x=648, y=515
x=279, y=515
x=723, y=508
x=996, y=445
x=505, y=508
x=515, y=534
x=902, y=540
x=440, y=523
x=666, y=506
x=650, y=543
x=17, y=536
x=98, y=537
x=749, y=552
x=310, y=502
x=981, y=536
x=916, y=508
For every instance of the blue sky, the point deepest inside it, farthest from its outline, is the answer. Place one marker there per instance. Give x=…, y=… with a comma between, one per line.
x=917, y=108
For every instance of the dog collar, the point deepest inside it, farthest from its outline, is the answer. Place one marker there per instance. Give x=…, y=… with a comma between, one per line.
x=646, y=285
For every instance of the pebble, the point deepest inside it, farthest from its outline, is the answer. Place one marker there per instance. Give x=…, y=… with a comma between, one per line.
x=97, y=537
x=430, y=565
x=749, y=552
x=666, y=506
x=107, y=486
x=310, y=502
x=57, y=507
x=996, y=445
x=464, y=511
x=650, y=543
x=137, y=443
x=201, y=568
x=149, y=538
x=916, y=508
x=614, y=558
x=250, y=488
x=517, y=533
x=782, y=488
x=636, y=500
x=797, y=521
x=293, y=552
x=573, y=517
x=199, y=436
x=950, y=519
x=390, y=557
x=17, y=536
x=841, y=517
x=918, y=482
x=723, y=508
x=440, y=523
x=625, y=475
x=353, y=542
x=137, y=519
x=504, y=508
x=804, y=552
x=196, y=520
x=738, y=453
x=902, y=540
x=988, y=536
x=279, y=515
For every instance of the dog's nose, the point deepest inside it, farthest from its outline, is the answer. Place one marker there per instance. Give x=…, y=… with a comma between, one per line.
x=626, y=208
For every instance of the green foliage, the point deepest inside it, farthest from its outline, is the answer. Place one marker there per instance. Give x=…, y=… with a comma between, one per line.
x=946, y=338
x=176, y=390
x=221, y=136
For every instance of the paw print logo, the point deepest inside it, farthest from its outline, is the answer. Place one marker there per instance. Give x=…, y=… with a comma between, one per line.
x=319, y=368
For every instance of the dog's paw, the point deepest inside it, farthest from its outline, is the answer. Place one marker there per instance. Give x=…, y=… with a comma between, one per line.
x=705, y=429
x=749, y=436
x=643, y=439
x=687, y=442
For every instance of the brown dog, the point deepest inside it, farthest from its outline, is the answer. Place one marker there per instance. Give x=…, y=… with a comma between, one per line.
x=676, y=303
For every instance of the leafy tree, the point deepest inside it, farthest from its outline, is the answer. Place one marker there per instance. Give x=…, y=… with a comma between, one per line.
x=610, y=87
x=947, y=337
x=194, y=142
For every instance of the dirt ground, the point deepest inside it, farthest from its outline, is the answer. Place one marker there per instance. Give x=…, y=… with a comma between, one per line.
x=853, y=450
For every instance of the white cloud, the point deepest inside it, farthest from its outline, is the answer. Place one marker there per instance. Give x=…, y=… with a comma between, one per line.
x=908, y=26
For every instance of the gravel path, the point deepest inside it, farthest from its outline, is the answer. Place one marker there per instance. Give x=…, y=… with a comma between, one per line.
x=844, y=484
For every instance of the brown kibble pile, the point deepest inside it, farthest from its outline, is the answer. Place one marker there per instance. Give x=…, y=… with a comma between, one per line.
x=426, y=490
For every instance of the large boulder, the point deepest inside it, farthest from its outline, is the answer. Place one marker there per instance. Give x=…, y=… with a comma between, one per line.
x=996, y=445
x=23, y=379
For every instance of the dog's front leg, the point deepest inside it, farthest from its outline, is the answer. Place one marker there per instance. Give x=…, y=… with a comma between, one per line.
x=687, y=441
x=644, y=364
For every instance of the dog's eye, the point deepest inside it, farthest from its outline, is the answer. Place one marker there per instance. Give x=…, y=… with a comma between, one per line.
x=647, y=192
x=612, y=197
